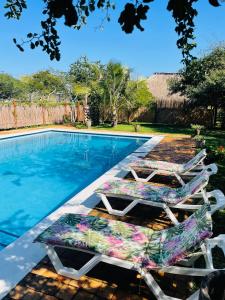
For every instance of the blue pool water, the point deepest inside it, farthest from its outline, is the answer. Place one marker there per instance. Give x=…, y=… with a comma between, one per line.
x=40, y=172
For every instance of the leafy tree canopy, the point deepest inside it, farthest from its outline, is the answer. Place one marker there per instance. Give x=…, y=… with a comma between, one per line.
x=80, y=90
x=44, y=82
x=10, y=87
x=137, y=95
x=203, y=81
x=84, y=71
x=191, y=76
x=84, y=76
x=76, y=13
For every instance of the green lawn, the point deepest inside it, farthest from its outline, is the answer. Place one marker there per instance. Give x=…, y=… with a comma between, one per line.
x=215, y=139
x=147, y=128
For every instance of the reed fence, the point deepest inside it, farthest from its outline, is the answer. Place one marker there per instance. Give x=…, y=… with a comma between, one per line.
x=16, y=115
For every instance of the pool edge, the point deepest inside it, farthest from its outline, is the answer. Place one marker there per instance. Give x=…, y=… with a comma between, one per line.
x=20, y=257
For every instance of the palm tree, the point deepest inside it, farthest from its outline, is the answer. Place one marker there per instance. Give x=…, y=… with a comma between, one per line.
x=114, y=81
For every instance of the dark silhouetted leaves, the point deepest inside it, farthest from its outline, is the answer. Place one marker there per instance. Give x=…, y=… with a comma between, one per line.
x=76, y=13
x=214, y=3
x=15, y=8
x=131, y=16
x=32, y=45
x=20, y=48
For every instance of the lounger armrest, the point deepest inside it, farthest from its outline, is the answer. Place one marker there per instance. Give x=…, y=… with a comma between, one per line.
x=194, y=296
x=207, y=247
x=220, y=200
x=210, y=169
x=218, y=241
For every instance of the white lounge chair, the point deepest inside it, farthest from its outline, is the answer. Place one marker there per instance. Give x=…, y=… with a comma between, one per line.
x=162, y=197
x=154, y=167
x=134, y=247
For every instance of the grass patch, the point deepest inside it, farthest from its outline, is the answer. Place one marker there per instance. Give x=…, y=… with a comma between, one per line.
x=214, y=140
x=147, y=128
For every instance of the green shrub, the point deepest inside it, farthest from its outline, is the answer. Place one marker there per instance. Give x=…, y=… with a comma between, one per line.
x=197, y=128
x=217, y=154
x=66, y=119
x=79, y=125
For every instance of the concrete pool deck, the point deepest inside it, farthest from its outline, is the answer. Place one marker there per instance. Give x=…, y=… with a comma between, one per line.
x=20, y=257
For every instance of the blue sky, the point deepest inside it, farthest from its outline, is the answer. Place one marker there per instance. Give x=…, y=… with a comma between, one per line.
x=153, y=50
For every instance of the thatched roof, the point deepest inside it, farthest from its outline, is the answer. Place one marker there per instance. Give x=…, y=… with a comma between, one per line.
x=158, y=85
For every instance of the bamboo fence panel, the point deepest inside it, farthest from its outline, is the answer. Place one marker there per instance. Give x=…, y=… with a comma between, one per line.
x=17, y=115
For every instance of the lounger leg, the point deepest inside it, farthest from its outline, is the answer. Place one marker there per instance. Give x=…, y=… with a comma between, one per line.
x=134, y=173
x=115, y=211
x=70, y=272
x=179, y=178
x=170, y=214
x=155, y=288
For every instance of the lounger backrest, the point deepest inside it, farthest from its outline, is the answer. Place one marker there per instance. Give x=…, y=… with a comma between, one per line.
x=195, y=160
x=198, y=182
x=183, y=239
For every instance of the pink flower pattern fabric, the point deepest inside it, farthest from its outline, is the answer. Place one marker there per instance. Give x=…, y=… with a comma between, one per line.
x=146, y=191
x=144, y=247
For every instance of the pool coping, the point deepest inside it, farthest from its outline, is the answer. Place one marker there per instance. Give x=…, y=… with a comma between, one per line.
x=21, y=256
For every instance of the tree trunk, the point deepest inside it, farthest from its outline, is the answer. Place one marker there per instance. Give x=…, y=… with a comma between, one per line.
x=114, y=117
x=129, y=117
x=215, y=116
x=223, y=119
x=86, y=110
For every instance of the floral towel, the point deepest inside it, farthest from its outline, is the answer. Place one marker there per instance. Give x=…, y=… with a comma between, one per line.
x=183, y=239
x=142, y=246
x=157, y=165
x=168, y=166
x=146, y=191
x=191, y=164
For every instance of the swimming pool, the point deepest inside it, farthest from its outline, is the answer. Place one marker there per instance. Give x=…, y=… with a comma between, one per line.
x=40, y=172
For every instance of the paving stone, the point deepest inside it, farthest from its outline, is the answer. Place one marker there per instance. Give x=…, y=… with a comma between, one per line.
x=22, y=292
x=42, y=284
x=32, y=295
x=83, y=295
x=45, y=272
x=107, y=291
x=66, y=292
x=48, y=297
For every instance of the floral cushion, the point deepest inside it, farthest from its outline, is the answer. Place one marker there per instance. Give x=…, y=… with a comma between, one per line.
x=196, y=184
x=142, y=246
x=156, y=165
x=146, y=191
x=181, y=240
x=112, y=238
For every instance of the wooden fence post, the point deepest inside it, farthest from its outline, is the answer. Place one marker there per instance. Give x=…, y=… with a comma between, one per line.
x=15, y=113
x=43, y=114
